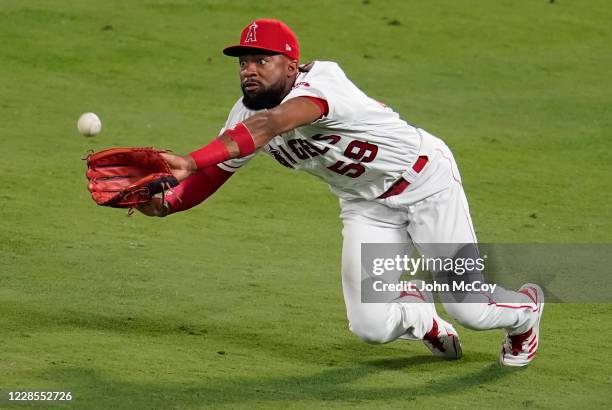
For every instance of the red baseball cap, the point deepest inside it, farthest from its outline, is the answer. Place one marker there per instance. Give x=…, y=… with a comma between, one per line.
x=266, y=35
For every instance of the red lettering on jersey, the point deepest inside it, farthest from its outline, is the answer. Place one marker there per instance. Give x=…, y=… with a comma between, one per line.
x=359, y=150
x=332, y=139
x=348, y=170
x=301, y=84
x=320, y=151
x=308, y=148
x=287, y=154
x=299, y=152
x=277, y=156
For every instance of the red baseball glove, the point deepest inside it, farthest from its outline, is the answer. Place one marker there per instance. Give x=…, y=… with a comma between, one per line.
x=127, y=177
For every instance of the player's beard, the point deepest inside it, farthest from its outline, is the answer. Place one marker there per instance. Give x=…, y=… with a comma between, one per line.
x=265, y=98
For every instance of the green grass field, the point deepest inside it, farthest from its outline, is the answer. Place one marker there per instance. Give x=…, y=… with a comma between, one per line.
x=238, y=303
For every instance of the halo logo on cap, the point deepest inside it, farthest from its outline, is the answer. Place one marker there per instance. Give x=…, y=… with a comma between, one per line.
x=268, y=35
x=252, y=34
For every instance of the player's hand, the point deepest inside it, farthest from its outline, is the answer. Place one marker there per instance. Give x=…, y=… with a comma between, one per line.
x=155, y=207
x=181, y=167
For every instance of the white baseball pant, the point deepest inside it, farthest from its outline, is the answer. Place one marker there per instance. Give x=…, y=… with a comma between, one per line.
x=433, y=209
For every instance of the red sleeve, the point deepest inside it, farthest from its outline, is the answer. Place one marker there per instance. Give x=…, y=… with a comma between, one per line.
x=197, y=188
x=321, y=103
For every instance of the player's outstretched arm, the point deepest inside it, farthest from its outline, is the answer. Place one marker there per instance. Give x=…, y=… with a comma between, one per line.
x=289, y=115
x=189, y=193
x=246, y=136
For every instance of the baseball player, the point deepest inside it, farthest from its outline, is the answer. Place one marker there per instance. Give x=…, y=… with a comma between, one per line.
x=397, y=184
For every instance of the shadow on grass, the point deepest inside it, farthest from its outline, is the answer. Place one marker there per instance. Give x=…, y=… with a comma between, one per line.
x=93, y=389
x=346, y=381
x=307, y=348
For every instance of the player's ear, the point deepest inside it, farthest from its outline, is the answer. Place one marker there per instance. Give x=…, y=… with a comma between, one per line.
x=292, y=68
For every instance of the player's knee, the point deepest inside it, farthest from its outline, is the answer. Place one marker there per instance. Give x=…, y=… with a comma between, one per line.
x=371, y=332
x=469, y=315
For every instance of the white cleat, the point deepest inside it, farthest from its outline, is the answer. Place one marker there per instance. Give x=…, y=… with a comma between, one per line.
x=520, y=349
x=443, y=340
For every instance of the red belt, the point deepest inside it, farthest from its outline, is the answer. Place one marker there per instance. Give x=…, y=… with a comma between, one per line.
x=401, y=184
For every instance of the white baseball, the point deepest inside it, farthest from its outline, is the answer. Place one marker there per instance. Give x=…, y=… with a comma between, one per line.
x=89, y=124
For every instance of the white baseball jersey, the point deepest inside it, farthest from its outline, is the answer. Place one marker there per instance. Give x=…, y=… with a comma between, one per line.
x=359, y=148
